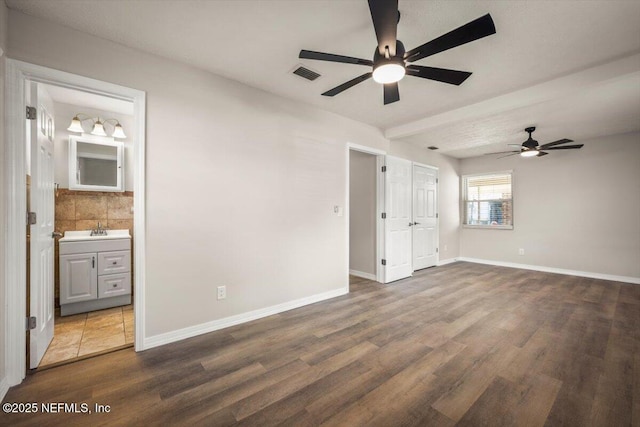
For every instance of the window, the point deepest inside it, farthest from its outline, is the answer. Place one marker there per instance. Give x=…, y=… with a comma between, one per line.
x=488, y=201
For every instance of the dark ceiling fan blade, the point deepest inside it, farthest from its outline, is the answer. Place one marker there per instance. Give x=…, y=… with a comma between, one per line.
x=391, y=93
x=344, y=86
x=384, y=14
x=541, y=153
x=501, y=152
x=320, y=56
x=444, y=75
x=565, y=147
x=512, y=154
x=558, y=142
x=469, y=32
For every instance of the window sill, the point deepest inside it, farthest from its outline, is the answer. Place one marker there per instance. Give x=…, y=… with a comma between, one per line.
x=489, y=227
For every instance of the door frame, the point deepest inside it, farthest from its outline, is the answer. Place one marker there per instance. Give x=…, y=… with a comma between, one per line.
x=380, y=161
x=437, y=204
x=17, y=74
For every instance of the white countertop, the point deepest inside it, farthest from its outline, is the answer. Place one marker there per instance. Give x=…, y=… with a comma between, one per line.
x=85, y=235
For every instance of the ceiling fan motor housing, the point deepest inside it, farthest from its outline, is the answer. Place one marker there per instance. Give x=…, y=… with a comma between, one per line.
x=379, y=59
x=530, y=144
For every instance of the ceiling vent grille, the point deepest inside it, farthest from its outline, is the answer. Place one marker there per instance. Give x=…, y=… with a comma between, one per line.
x=433, y=147
x=306, y=73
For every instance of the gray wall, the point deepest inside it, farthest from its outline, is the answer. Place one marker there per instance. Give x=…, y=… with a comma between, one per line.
x=241, y=184
x=3, y=310
x=577, y=210
x=362, y=212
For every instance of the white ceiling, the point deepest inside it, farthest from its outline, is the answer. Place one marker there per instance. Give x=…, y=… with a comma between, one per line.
x=257, y=42
x=89, y=100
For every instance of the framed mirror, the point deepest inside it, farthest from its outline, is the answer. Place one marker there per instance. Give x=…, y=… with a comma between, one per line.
x=96, y=163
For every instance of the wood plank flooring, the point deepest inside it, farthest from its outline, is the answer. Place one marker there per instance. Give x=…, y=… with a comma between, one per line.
x=462, y=344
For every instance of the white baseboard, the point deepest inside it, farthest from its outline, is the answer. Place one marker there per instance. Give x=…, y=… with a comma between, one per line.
x=592, y=275
x=363, y=275
x=4, y=388
x=215, y=325
x=446, y=261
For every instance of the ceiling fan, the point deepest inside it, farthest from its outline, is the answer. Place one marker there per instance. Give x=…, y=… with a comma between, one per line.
x=390, y=60
x=531, y=148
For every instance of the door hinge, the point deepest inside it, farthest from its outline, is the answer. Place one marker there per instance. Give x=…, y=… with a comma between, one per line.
x=384, y=169
x=384, y=215
x=384, y=262
x=32, y=114
x=31, y=218
x=437, y=215
x=437, y=180
x=437, y=250
x=31, y=323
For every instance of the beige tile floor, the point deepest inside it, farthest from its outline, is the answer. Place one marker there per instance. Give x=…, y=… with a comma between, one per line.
x=87, y=333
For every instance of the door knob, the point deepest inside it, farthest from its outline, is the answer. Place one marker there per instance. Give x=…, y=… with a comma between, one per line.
x=416, y=223
x=55, y=234
x=410, y=224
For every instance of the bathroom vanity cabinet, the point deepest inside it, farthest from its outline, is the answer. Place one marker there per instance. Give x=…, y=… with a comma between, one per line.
x=94, y=274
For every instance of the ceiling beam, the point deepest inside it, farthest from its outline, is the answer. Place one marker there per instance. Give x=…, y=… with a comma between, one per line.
x=532, y=95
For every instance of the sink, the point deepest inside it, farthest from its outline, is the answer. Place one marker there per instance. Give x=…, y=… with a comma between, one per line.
x=85, y=235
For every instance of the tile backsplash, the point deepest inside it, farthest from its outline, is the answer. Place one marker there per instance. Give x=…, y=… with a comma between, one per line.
x=82, y=210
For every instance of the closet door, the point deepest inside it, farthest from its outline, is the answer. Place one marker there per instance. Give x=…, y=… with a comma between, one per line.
x=398, y=219
x=425, y=218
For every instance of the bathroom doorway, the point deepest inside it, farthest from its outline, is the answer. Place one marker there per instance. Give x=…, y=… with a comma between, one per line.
x=78, y=211
x=92, y=193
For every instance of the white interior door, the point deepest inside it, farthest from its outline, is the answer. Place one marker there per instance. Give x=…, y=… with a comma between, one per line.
x=397, y=188
x=425, y=221
x=42, y=240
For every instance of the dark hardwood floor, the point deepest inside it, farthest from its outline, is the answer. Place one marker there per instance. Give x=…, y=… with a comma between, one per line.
x=464, y=344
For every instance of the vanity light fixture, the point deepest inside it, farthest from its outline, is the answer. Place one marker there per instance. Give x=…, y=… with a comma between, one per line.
x=98, y=126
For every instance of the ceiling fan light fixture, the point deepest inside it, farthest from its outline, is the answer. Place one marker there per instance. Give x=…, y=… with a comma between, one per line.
x=529, y=153
x=390, y=71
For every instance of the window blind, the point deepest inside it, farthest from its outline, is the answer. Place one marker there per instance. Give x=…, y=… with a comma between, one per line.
x=488, y=200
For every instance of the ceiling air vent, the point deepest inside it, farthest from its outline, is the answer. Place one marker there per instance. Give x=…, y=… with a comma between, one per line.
x=306, y=73
x=433, y=147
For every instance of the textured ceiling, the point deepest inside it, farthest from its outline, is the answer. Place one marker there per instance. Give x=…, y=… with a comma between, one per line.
x=257, y=43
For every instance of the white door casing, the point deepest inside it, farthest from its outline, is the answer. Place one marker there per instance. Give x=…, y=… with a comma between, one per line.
x=398, y=219
x=42, y=240
x=425, y=221
x=17, y=74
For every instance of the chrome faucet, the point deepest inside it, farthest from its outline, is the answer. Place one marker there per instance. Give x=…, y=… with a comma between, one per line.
x=100, y=231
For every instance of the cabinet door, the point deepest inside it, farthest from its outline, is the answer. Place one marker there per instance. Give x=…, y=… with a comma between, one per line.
x=78, y=278
x=114, y=262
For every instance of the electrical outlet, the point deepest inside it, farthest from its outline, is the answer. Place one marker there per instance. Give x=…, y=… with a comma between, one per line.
x=521, y=251
x=222, y=292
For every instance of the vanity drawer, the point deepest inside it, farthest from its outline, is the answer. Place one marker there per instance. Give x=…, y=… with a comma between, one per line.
x=114, y=285
x=114, y=262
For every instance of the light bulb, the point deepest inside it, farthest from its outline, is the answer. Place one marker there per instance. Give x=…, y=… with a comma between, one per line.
x=98, y=129
x=118, y=132
x=76, y=125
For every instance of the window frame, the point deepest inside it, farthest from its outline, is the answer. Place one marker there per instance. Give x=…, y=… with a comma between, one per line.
x=465, y=201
